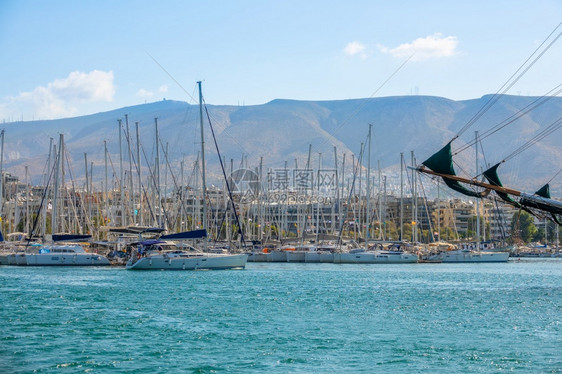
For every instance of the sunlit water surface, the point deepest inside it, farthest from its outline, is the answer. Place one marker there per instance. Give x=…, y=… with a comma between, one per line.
x=280, y=318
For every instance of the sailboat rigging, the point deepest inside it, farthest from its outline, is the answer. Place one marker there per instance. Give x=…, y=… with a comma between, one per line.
x=161, y=254
x=441, y=163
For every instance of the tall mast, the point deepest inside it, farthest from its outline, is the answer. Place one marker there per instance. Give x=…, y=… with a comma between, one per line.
x=318, y=198
x=106, y=187
x=1, y=170
x=381, y=236
x=139, y=174
x=414, y=202
x=477, y=201
x=46, y=193
x=27, y=227
x=203, y=183
x=337, y=201
x=87, y=189
x=401, y=196
x=130, y=201
x=368, y=193
x=438, y=211
x=384, y=209
x=54, y=219
x=122, y=202
x=157, y=207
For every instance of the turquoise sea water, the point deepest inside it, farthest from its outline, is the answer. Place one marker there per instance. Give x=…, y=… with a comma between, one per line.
x=285, y=318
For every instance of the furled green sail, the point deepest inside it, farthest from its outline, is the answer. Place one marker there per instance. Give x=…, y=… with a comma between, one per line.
x=544, y=191
x=442, y=163
x=492, y=176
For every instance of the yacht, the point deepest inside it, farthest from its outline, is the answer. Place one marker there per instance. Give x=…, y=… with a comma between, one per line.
x=322, y=254
x=159, y=254
x=63, y=255
x=469, y=255
x=378, y=256
x=468, y=252
x=299, y=253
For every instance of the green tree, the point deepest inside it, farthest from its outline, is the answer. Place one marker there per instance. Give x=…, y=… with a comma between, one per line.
x=523, y=226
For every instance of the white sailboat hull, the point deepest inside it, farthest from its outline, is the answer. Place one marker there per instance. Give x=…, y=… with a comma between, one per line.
x=319, y=257
x=257, y=257
x=66, y=259
x=375, y=258
x=471, y=256
x=189, y=262
x=277, y=256
x=295, y=256
x=63, y=255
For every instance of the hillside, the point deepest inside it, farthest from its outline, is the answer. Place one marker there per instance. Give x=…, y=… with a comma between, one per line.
x=280, y=131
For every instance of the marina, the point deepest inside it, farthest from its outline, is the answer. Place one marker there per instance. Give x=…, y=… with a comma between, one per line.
x=281, y=187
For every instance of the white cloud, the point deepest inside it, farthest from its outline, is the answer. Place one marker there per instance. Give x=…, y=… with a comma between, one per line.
x=60, y=97
x=430, y=47
x=145, y=94
x=355, y=48
x=163, y=89
x=85, y=87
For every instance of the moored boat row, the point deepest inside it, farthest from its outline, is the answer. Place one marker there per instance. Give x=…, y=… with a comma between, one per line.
x=53, y=255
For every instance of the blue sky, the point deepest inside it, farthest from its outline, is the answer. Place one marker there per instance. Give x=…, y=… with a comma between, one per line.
x=67, y=58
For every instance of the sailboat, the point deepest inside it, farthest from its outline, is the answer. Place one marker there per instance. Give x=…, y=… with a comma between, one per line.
x=54, y=253
x=65, y=254
x=164, y=254
x=371, y=254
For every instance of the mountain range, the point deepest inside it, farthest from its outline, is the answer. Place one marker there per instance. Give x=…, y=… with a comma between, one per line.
x=280, y=133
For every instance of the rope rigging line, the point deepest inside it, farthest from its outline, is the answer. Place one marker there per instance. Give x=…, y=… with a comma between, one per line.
x=541, y=135
x=555, y=175
x=343, y=218
x=508, y=121
x=45, y=196
x=518, y=74
x=241, y=233
x=170, y=75
x=367, y=101
x=88, y=221
x=418, y=176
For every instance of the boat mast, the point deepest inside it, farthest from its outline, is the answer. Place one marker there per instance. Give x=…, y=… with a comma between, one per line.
x=46, y=191
x=87, y=201
x=438, y=211
x=139, y=164
x=203, y=183
x=121, y=190
x=157, y=206
x=27, y=226
x=130, y=200
x=368, y=193
x=318, y=198
x=414, y=201
x=106, y=187
x=384, y=208
x=1, y=170
x=337, y=201
x=477, y=201
x=401, y=196
x=54, y=219
x=380, y=197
